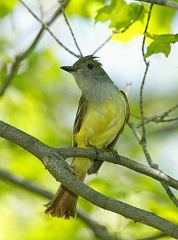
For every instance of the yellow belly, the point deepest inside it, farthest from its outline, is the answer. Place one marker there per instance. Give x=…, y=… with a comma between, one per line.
x=102, y=123
x=100, y=126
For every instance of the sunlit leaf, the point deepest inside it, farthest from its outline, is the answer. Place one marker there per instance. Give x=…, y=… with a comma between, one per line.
x=158, y=47
x=161, y=44
x=120, y=14
x=160, y=15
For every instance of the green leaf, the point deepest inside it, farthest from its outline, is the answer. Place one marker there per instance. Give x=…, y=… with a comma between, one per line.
x=104, y=13
x=161, y=44
x=156, y=21
x=119, y=13
x=158, y=47
x=171, y=38
x=6, y=7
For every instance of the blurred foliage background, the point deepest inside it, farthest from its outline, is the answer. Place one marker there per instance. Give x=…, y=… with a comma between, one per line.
x=42, y=101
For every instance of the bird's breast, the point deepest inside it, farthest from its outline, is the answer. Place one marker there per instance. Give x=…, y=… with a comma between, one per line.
x=102, y=122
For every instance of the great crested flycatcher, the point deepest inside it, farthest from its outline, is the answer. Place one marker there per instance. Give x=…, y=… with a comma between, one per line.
x=102, y=113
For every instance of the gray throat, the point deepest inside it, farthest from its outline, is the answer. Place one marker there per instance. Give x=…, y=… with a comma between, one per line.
x=98, y=90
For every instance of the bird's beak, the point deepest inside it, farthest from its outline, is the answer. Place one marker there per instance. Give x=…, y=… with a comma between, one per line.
x=69, y=69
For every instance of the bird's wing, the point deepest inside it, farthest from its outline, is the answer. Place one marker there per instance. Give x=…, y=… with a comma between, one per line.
x=97, y=164
x=81, y=111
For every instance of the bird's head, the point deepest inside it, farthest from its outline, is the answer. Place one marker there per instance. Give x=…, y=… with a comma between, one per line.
x=87, y=66
x=88, y=72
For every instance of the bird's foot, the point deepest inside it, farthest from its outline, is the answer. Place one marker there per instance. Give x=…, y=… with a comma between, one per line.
x=96, y=150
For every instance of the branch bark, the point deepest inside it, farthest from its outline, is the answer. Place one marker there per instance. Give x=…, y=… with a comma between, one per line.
x=158, y=118
x=164, y=3
x=99, y=230
x=56, y=165
x=40, y=150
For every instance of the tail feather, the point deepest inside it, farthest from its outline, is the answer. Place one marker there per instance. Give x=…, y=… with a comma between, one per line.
x=63, y=205
x=64, y=202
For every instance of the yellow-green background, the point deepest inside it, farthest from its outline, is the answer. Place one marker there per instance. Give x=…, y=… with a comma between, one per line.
x=42, y=101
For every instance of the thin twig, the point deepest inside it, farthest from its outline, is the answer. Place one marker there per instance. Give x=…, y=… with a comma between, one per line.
x=164, y=3
x=135, y=131
x=70, y=28
x=170, y=194
x=117, y=32
x=159, y=117
x=49, y=31
x=13, y=70
x=144, y=36
x=103, y=44
x=165, y=114
x=167, y=120
x=20, y=57
x=41, y=10
x=154, y=166
x=143, y=140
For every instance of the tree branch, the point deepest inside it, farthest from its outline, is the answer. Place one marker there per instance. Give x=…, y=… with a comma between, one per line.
x=39, y=149
x=159, y=117
x=120, y=160
x=164, y=3
x=99, y=230
x=57, y=166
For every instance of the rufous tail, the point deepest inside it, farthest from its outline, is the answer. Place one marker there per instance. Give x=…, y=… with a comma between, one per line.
x=63, y=204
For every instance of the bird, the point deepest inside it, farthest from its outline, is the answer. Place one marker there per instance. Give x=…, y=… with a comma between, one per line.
x=103, y=111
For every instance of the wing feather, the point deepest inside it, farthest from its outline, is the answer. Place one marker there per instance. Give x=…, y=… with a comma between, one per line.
x=81, y=111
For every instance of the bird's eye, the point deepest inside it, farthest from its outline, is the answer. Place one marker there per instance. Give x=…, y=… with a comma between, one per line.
x=90, y=65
